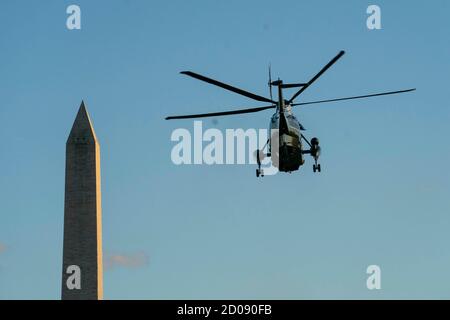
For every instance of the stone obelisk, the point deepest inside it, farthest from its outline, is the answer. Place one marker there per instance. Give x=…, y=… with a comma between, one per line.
x=82, y=274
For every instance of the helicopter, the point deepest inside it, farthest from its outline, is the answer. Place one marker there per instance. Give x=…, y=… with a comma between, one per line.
x=286, y=150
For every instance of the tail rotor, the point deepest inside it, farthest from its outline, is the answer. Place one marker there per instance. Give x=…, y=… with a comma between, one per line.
x=270, y=81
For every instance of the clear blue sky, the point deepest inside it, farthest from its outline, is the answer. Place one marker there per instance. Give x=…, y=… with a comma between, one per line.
x=218, y=232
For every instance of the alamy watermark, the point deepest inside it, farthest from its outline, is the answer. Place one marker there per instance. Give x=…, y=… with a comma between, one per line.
x=74, y=279
x=234, y=146
x=373, y=22
x=73, y=21
x=374, y=280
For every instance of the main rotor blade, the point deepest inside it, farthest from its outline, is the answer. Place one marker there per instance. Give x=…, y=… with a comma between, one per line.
x=292, y=85
x=227, y=87
x=310, y=82
x=356, y=97
x=223, y=113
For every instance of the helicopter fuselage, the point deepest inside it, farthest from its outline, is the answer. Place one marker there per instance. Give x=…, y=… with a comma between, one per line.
x=286, y=150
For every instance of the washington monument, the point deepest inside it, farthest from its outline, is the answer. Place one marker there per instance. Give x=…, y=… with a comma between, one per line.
x=82, y=274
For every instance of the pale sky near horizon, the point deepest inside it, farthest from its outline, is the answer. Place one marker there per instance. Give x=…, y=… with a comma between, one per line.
x=212, y=232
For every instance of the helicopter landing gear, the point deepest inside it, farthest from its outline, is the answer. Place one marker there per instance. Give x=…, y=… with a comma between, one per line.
x=259, y=155
x=316, y=167
x=259, y=172
x=314, y=151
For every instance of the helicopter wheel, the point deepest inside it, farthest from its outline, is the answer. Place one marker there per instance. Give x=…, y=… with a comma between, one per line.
x=259, y=172
x=316, y=167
